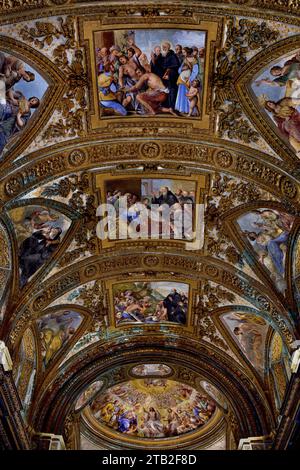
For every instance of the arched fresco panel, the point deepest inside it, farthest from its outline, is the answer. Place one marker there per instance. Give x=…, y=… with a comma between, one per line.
x=249, y=333
x=56, y=329
x=21, y=91
x=267, y=231
x=39, y=231
x=277, y=89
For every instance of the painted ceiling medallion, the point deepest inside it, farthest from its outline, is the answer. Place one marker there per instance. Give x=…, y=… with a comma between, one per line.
x=159, y=370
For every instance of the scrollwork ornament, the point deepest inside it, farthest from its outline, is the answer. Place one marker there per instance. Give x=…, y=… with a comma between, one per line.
x=242, y=36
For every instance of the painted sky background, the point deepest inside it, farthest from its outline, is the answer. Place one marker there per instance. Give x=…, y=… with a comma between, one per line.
x=147, y=39
x=35, y=88
x=165, y=287
x=171, y=184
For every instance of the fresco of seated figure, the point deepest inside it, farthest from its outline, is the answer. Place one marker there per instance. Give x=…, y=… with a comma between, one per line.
x=21, y=91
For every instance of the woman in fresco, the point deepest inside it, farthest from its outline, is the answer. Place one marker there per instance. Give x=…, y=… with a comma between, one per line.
x=287, y=118
x=271, y=238
x=188, y=71
x=15, y=108
x=14, y=115
x=250, y=331
x=251, y=341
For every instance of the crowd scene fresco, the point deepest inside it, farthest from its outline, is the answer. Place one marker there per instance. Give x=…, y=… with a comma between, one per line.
x=88, y=394
x=267, y=230
x=151, y=302
x=153, y=408
x=148, y=72
x=149, y=201
x=151, y=369
x=21, y=90
x=39, y=233
x=249, y=331
x=55, y=330
x=278, y=91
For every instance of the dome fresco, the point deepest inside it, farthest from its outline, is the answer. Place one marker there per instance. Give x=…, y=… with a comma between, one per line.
x=153, y=408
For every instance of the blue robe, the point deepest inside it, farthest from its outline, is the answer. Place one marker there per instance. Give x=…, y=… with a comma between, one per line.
x=8, y=122
x=182, y=102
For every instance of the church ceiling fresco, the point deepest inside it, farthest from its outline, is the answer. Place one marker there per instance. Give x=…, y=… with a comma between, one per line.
x=39, y=232
x=278, y=90
x=195, y=111
x=55, y=330
x=152, y=408
x=21, y=90
x=153, y=302
x=250, y=333
x=147, y=94
x=268, y=233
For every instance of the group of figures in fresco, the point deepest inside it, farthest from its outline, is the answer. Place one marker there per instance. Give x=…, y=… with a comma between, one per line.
x=281, y=97
x=150, y=77
x=151, y=302
x=268, y=232
x=15, y=107
x=153, y=408
x=145, y=205
x=55, y=330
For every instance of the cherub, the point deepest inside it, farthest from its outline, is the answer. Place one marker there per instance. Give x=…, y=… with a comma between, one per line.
x=192, y=95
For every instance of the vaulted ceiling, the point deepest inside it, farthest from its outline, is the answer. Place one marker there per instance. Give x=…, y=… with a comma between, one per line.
x=232, y=148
